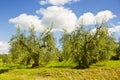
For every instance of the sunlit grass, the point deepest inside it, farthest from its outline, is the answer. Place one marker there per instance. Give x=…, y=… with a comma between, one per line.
x=63, y=64
x=108, y=70
x=108, y=64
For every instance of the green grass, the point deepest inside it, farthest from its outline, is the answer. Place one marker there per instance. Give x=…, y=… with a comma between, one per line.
x=63, y=64
x=108, y=70
x=108, y=64
x=0, y=61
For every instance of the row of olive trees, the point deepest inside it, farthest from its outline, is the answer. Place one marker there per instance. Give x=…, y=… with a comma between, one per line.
x=82, y=46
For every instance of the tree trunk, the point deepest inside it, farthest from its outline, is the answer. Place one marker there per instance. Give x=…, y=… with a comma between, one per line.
x=85, y=62
x=85, y=58
x=28, y=60
x=36, y=61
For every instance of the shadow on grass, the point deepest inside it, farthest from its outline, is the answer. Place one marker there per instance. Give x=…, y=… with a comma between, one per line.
x=6, y=68
x=76, y=67
x=59, y=67
x=3, y=70
x=17, y=67
x=99, y=65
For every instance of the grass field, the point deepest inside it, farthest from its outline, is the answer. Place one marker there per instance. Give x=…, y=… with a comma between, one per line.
x=108, y=70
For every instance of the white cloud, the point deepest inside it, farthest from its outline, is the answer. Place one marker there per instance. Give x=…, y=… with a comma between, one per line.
x=91, y=19
x=4, y=47
x=87, y=19
x=59, y=17
x=104, y=15
x=57, y=2
x=27, y=21
x=114, y=29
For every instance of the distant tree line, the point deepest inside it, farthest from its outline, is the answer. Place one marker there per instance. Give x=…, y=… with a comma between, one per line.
x=81, y=46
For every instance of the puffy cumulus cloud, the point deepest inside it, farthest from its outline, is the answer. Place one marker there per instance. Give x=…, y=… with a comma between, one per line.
x=4, y=47
x=57, y=2
x=27, y=21
x=91, y=19
x=114, y=29
x=87, y=19
x=104, y=15
x=59, y=17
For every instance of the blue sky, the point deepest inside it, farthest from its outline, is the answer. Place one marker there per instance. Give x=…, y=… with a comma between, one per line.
x=40, y=12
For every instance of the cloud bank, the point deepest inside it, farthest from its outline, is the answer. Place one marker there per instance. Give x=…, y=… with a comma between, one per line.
x=91, y=19
x=59, y=18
